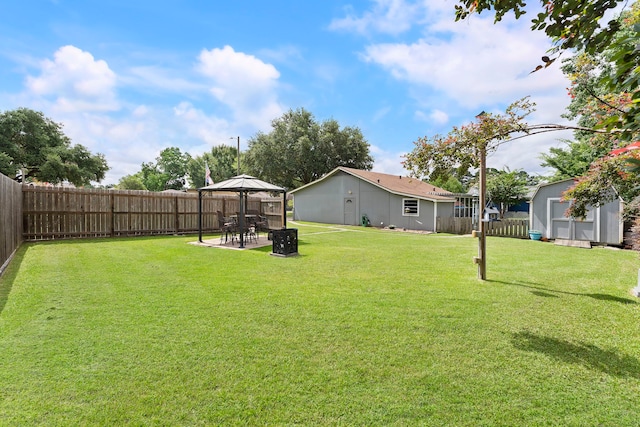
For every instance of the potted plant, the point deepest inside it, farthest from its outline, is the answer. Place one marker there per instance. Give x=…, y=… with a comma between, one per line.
x=535, y=234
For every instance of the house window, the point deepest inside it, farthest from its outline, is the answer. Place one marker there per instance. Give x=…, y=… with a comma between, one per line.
x=410, y=207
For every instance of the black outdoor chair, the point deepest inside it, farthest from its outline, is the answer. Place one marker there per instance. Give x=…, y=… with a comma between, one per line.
x=250, y=233
x=261, y=224
x=228, y=228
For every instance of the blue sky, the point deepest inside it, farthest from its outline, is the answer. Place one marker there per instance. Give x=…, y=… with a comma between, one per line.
x=128, y=79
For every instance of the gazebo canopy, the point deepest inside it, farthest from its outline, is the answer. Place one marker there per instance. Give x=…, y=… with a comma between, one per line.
x=244, y=183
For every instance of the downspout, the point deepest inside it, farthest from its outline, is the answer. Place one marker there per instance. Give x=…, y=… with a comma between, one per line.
x=435, y=216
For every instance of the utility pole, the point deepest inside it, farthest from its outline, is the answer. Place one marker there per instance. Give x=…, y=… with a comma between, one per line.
x=238, y=155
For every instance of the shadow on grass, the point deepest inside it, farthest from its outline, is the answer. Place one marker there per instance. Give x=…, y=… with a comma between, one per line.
x=546, y=292
x=606, y=361
x=9, y=275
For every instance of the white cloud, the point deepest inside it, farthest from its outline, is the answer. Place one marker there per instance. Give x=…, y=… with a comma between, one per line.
x=387, y=162
x=76, y=89
x=387, y=16
x=212, y=130
x=244, y=83
x=479, y=63
x=435, y=116
x=163, y=79
x=74, y=81
x=455, y=68
x=381, y=113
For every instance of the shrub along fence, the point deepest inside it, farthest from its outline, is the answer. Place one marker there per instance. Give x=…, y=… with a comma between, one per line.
x=62, y=213
x=10, y=219
x=516, y=228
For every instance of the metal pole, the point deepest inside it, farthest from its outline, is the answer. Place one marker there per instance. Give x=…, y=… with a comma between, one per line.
x=284, y=209
x=241, y=219
x=238, y=155
x=482, y=225
x=200, y=216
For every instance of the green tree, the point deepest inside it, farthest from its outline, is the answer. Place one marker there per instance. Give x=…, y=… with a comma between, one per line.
x=506, y=188
x=596, y=103
x=222, y=161
x=33, y=147
x=299, y=150
x=451, y=184
x=131, y=182
x=168, y=173
x=571, y=161
x=435, y=157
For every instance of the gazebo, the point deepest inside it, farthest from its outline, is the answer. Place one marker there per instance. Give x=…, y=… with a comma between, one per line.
x=242, y=184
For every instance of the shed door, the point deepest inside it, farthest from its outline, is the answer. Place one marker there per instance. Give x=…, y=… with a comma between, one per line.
x=350, y=211
x=561, y=227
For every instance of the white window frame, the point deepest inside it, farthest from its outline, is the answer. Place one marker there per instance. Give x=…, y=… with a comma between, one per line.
x=405, y=207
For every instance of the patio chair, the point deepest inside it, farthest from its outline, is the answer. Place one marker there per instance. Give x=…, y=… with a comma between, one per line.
x=228, y=228
x=262, y=224
x=250, y=233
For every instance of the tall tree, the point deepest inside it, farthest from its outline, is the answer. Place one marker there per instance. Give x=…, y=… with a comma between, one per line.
x=450, y=183
x=506, y=187
x=222, y=161
x=168, y=173
x=570, y=161
x=597, y=103
x=299, y=150
x=131, y=182
x=33, y=147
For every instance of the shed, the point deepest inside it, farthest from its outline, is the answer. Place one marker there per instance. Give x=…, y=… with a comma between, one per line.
x=603, y=224
x=345, y=195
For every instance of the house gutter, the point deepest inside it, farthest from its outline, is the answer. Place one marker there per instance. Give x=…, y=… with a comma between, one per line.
x=435, y=216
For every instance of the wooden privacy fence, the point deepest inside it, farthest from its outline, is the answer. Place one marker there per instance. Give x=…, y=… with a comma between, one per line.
x=10, y=219
x=62, y=213
x=454, y=225
x=517, y=228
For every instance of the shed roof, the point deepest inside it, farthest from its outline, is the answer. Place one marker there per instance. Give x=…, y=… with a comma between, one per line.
x=548, y=184
x=396, y=184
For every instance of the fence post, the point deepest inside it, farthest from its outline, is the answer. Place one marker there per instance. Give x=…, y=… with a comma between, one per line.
x=177, y=219
x=112, y=208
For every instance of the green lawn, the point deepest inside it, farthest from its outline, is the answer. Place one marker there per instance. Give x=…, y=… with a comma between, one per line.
x=364, y=327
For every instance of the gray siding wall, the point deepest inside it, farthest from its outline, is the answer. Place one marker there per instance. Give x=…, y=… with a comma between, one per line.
x=611, y=225
x=321, y=202
x=325, y=202
x=607, y=217
x=539, y=206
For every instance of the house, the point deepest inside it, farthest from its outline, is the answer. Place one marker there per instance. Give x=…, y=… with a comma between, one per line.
x=346, y=195
x=603, y=224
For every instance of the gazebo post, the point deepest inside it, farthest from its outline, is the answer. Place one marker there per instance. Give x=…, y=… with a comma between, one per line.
x=284, y=209
x=241, y=219
x=199, y=216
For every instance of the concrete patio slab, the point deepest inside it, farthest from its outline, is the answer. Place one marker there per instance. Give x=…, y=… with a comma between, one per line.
x=215, y=242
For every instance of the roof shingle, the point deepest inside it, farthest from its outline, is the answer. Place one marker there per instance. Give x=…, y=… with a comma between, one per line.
x=400, y=184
